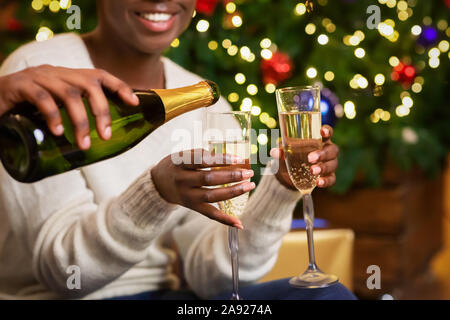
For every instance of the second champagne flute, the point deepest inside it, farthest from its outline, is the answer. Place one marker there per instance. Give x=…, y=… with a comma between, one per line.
x=300, y=122
x=229, y=133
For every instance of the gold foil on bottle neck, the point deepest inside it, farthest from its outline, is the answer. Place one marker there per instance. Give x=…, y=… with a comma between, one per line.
x=185, y=99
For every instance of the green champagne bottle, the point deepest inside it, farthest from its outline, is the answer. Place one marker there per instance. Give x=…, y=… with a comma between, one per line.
x=30, y=152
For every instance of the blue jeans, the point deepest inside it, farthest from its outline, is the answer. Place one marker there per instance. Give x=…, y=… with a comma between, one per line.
x=271, y=290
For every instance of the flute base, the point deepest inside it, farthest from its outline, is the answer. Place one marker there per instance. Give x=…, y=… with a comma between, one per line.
x=313, y=279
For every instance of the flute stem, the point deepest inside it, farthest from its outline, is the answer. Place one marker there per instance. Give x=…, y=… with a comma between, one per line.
x=234, y=247
x=308, y=215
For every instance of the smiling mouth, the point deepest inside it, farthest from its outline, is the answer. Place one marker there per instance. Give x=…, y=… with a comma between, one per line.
x=155, y=17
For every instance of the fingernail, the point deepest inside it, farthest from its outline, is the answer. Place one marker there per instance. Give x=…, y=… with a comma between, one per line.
x=316, y=170
x=249, y=186
x=313, y=157
x=236, y=159
x=274, y=153
x=135, y=98
x=107, y=132
x=326, y=131
x=248, y=174
x=86, y=143
x=321, y=182
x=239, y=226
x=59, y=130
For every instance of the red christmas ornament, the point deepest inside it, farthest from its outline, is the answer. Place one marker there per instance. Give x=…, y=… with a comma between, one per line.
x=404, y=74
x=277, y=69
x=13, y=25
x=206, y=7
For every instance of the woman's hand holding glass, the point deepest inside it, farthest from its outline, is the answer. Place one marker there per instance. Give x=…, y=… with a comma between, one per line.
x=187, y=183
x=323, y=162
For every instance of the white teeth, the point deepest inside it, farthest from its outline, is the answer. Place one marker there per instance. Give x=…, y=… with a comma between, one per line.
x=156, y=17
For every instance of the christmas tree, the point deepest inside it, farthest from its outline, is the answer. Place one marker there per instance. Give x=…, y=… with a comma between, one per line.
x=384, y=83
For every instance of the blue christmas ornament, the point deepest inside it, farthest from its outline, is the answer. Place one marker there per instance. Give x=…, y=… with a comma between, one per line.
x=428, y=37
x=328, y=100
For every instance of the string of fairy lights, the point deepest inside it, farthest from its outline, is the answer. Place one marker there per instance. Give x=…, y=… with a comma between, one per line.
x=267, y=48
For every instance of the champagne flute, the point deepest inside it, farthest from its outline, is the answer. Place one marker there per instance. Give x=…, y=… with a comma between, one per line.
x=300, y=122
x=229, y=133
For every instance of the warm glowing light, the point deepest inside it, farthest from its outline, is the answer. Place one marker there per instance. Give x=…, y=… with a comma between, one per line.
x=233, y=50
x=265, y=43
x=263, y=139
x=239, y=78
x=322, y=39
x=385, y=116
x=393, y=61
x=54, y=6
x=65, y=4
x=264, y=117
x=362, y=82
x=175, y=43
x=266, y=54
x=270, y=88
x=360, y=53
x=402, y=5
x=37, y=5
x=360, y=35
x=402, y=111
x=434, y=62
x=254, y=149
x=233, y=97
x=374, y=118
x=385, y=29
x=416, y=87
x=226, y=43
x=300, y=9
x=256, y=111
x=247, y=102
x=252, y=89
x=443, y=46
x=230, y=7
x=407, y=102
x=213, y=45
x=311, y=72
x=442, y=24
x=236, y=21
x=310, y=28
x=379, y=79
x=245, y=52
x=331, y=27
x=403, y=15
x=44, y=33
x=416, y=30
x=434, y=53
x=391, y=3
x=271, y=123
x=202, y=25
x=349, y=109
x=329, y=76
x=354, y=40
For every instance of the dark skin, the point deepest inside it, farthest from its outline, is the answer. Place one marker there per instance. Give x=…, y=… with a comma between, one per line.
x=130, y=51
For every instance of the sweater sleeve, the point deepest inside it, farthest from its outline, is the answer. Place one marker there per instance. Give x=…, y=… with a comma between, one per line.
x=63, y=229
x=203, y=244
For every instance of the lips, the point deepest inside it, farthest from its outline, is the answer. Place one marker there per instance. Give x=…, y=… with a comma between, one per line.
x=156, y=21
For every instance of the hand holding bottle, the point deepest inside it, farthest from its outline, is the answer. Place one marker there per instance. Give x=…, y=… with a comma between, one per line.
x=186, y=184
x=45, y=86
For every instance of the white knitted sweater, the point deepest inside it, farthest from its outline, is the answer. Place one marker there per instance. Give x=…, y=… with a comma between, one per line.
x=108, y=220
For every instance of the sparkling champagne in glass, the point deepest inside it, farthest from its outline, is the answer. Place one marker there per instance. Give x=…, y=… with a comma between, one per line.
x=300, y=122
x=229, y=133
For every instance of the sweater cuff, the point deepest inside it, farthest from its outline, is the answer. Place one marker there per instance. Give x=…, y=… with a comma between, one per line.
x=272, y=201
x=143, y=203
